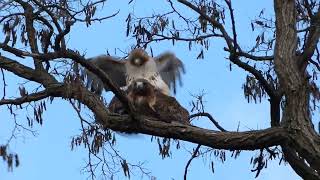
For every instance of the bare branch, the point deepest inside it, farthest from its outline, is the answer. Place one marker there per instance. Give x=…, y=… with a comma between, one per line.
x=197, y=38
x=269, y=89
x=26, y=72
x=101, y=74
x=31, y=32
x=215, y=23
x=300, y=166
x=250, y=56
x=195, y=152
x=4, y=83
x=315, y=63
x=194, y=155
x=209, y=117
x=28, y=98
x=235, y=44
x=60, y=36
x=313, y=37
x=257, y=74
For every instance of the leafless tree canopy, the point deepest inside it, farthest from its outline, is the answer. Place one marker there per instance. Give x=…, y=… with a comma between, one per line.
x=281, y=67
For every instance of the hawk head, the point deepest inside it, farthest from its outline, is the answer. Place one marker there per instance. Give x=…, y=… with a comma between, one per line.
x=141, y=87
x=138, y=57
x=149, y=101
x=142, y=94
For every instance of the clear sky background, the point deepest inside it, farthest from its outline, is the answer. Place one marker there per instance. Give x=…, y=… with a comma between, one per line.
x=48, y=155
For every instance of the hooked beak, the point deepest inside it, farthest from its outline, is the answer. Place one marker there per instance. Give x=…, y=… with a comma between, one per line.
x=139, y=85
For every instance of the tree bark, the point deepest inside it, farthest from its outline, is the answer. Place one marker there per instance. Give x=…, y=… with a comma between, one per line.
x=296, y=116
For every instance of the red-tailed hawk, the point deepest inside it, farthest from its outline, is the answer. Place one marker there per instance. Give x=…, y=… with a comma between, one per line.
x=162, y=71
x=149, y=101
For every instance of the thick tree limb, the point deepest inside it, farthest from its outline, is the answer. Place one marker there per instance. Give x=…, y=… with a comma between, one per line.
x=31, y=32
x=249, y=140
x=299, y=164
x=296, y=114
x=101, y=74
x=286, y=44
x=26, y=72
x=9, y=65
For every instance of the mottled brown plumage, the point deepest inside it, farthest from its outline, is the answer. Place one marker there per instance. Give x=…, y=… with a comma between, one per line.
x=150, y=102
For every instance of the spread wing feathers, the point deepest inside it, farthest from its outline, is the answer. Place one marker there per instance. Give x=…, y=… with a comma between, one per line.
x=170, y=69
x=113, y=67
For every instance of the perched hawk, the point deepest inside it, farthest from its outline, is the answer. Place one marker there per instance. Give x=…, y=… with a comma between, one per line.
x=162, y=71
x=149, y=101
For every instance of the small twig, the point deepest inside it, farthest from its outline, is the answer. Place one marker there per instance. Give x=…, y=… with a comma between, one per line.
x=197, y=38
x=98, y=19
x=250, y=56
x=195, y=152
x=29, y=98
x=60, y=37
x=4, y=84
x=235, y=44
x=230, y=43
x=315, y=63
x=194, y=155
x=209, y=117
x=86, y=139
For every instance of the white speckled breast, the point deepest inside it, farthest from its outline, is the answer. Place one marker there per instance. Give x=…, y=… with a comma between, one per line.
x=149, y=72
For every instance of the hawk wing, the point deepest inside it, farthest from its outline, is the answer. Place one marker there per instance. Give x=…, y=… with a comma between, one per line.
x=113, y=67
x=170, y=69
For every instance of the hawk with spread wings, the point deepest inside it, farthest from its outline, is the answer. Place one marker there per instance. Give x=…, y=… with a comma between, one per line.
x=162, y=71
x=149, y=101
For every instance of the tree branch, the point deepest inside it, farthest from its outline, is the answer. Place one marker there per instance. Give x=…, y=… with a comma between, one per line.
x=234, y=32
x=31, y=32
x=25, y=99
x=249, y=140
x=25, y=72
x=257, y=74
x=195, y=152
x=101, y=74
x=28, y=73
x=250, y=56
x=209, y=117
x=312, y=39
x=60, y=37
x=194, y=155
x=215, y=23
x=269, y=89
x=300, y=166
x=197, y=38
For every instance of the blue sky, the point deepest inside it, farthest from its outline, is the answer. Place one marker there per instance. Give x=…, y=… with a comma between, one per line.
x=48, y=155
